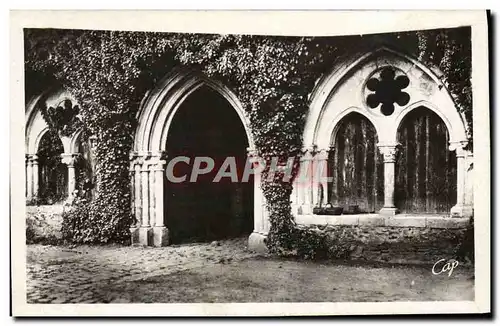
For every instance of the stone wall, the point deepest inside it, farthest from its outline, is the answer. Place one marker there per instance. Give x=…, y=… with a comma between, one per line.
x=43, y=223
x=413, y=245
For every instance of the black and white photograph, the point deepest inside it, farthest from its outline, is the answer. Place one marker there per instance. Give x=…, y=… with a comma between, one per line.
x=319, y=170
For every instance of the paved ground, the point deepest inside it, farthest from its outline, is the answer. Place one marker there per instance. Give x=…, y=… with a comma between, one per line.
x=223, y=273
x=89, y=274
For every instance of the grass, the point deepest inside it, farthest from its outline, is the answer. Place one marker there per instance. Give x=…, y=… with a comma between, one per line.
x=275, y=280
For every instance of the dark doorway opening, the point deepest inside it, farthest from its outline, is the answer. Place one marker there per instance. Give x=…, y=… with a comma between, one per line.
x=206, y=125
x=52, y=173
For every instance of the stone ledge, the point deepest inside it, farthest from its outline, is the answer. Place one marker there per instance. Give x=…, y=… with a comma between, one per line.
x=417, y=221
x=405, y=221
x=436, y=222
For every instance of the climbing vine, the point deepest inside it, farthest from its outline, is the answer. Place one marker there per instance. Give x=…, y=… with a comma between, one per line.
x=109, y=73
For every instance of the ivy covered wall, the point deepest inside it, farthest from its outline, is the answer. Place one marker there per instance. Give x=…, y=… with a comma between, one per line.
x=109, y=72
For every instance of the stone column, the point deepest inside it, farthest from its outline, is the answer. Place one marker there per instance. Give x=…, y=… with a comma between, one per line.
x=135, y=197
x=306, y=176
x=461, y=209
x=321, y=178
x=131, y=175
x=138, y=191
x=160, y=232
x=36, y=187
x=256, y=241
x=389, y=152
x=145, y=231
x=69, y=160
x=469, y=183
x=29, y=177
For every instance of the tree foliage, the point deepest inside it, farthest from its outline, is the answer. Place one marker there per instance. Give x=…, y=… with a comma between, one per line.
x=109, y=73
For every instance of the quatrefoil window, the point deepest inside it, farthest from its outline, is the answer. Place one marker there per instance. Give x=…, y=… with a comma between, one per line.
x=387, y=90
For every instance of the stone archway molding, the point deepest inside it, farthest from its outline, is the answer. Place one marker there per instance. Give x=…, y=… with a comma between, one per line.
x=35, y=129
x=148, y=158
x=342, y=92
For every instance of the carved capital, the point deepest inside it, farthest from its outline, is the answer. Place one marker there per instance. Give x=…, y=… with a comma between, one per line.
x=157, y=156
x=308, y=153
x=323, y=153
x=31, y=159
x=69, y=159
x=309, y=149
x=252, y=152
x=390, y=152
x=252, y=155
x=459, y=148
x=159, y=165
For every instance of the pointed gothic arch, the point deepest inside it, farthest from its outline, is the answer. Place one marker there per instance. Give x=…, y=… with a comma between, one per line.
x=350, y=86
x=35, y=128
x=148, y=159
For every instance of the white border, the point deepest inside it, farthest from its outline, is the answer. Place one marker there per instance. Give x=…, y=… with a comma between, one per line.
x=269, y=23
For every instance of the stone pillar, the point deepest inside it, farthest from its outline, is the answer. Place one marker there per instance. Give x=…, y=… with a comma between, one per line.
x=69, y=160
x=321, y=178
x=138, y=191
x=36, y=187
x=256, y=241
x=135, y=197
x=462, y=208
x=160, y=232
x=147, y=175
x=306, y=176
x=29, y=177
x=389, y=152
x=131, y=175
x=469, y=183
x=145, y=231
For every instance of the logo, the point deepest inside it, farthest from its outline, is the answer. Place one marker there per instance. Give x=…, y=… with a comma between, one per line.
x=443, y=266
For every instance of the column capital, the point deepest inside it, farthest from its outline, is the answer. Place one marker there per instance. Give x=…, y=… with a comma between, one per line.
x=252, y=152
x=158, y=165
x=32, y=158
x=308, y=153
x=133, y=156
x=459, y=147
x=389, y=151
x=309, y=149
x=157, y=156
x=253, y=155
x=323, y=153
x=69, y=159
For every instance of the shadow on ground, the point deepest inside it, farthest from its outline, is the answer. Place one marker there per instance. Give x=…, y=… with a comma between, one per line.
x=272, y=280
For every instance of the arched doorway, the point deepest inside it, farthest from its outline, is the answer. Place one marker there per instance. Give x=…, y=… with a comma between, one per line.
x=52, y=173
x=357, y=166
x=206, y=125
x=388, y=87
x=426, y=171
x=198, y=103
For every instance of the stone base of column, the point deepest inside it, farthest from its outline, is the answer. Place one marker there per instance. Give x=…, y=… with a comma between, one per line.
x=134, y=236
x=146, y=236
x=306, y=209
x=257, y=242
x=160, y=236
x=388, y=211
x=462, y=211
x=296, y=209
